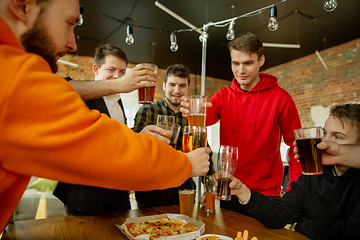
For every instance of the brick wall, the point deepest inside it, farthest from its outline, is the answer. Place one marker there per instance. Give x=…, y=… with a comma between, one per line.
x=310, y=84
x=306, y=79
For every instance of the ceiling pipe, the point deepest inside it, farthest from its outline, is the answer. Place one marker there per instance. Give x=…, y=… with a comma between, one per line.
x=68, y=63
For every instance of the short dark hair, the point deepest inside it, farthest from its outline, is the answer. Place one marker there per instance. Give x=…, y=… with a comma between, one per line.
x=177, y=70
x=107, y=49
x=350, y=112
x=247, y=42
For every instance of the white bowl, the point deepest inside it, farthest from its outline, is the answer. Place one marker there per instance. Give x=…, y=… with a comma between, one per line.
x=211, y=235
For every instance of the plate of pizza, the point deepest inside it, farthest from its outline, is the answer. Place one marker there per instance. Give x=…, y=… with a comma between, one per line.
x=160, y=226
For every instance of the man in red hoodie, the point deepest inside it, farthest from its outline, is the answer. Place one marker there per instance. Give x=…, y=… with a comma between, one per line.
x=255, y=114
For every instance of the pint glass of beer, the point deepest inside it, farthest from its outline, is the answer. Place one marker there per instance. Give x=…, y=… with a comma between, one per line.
x=310, y=155
x=147, y=94
x=227, y=161
x=186, y=200
x=197, y=110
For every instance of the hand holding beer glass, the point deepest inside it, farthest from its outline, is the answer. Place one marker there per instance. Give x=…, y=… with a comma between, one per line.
x=197, y=110
x=227, y=161
x=147, y=94
x=194, y=137
x=166, y=123
x=310, y=155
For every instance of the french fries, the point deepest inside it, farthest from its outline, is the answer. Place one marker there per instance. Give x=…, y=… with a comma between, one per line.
x=244, y=236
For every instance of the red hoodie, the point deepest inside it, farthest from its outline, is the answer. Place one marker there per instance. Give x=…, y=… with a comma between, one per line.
x=255, y=121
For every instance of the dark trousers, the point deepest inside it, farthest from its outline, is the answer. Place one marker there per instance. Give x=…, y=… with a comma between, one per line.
x=165, y=197
x=114, y=200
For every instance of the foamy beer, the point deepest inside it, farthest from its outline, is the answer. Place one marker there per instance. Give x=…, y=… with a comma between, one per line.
x=227, y=161
x=197, y=110
x=310, y=155
x=147, y=94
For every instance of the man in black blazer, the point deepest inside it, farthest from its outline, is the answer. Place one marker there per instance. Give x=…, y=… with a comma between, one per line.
x=110, y=62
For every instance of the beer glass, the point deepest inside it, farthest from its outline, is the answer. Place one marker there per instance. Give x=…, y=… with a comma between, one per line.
x=175, y=134
x=197, y=110
x=194, y=137
x=147, y=94
x=310, y=155
x=210, y=192
x=186, y=200
x=166, y=122
x=227, y=161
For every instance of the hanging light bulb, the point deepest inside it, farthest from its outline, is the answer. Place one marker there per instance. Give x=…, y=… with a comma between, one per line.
x=231, y=32
x=330, y=5
x=81, y=19
x=204, y=35
x=129, y=36
x=173, y=47
x=273, y=23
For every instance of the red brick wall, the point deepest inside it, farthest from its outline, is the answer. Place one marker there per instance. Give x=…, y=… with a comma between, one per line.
x=310, y=84
x=306, y=79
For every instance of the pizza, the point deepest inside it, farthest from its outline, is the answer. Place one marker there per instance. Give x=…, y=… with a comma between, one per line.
x=159, y=228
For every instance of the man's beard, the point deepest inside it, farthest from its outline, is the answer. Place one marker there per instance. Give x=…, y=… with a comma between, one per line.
x=37, y=40
x=173, y=103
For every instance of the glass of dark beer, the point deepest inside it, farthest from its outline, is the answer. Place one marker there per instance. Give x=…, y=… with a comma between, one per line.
x=227, y=161
x=147, y=94
x=197, y=110
x=310, y=155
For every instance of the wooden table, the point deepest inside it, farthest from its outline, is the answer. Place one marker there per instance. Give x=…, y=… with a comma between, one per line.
x=102, y=226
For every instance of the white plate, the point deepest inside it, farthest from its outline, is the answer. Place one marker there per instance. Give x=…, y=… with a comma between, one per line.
x=211, y=235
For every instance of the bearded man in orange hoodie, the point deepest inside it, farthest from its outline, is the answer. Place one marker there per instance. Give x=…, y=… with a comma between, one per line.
x=45, y=125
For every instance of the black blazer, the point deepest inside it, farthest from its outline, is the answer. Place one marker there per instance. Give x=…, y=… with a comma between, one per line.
x=90, y=200
x=99, y=104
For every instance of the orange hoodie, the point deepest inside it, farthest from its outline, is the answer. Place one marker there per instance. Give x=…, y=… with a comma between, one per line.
x=46, y=130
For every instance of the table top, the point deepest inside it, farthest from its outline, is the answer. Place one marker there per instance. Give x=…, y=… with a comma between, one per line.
x=222, y=222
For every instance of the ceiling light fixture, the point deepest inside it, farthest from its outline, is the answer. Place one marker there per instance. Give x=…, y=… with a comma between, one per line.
x=129, y=36
x=68, y=63
x=173, y=47
x=273, y=23
x=81, y=19
x=330, y=5
x=281, y=45
x=231, y=31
